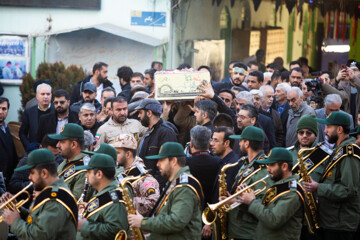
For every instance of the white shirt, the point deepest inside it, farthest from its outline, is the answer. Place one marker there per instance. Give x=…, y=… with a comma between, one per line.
x=98, y=91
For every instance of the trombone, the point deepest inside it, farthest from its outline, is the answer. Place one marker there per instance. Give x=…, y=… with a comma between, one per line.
x=9, y=204
x=209, y=216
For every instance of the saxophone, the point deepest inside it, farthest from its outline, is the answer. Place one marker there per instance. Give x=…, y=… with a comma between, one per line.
x=312, y=220
x=135, y=232
x=218, y=219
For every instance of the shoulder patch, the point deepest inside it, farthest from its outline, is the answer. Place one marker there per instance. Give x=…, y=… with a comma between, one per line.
x=70, y=171
x=338, y=154
x=184, y=178
x=293, y=184
x=93, y=205
x=150, y=191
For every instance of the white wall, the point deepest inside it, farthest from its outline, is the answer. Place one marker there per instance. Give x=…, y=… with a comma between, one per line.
x=85, y=47
x=32, y=21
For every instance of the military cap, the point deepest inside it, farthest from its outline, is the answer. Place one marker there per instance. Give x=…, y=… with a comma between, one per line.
x=308, y=122
x=336, y=118
x=105, y=149
x=124, y=141
x=169, y=149
x=277, y=154
x=99, y=160
x=150, y=104
x=250, y=133
x=70, y=130
x=356, y=132
x=36, y=157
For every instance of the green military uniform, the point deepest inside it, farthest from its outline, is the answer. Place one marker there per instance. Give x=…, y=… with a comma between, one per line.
x=241, y=223
x=50, y=220
x=180, y=215
x=282, y=217
x=75, y=179
x=107, y=222
x=338, y=191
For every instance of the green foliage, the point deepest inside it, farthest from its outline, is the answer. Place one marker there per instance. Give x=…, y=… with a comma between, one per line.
x=61, y=78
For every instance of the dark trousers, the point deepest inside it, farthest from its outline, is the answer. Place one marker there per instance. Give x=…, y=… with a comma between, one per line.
x=327, y=234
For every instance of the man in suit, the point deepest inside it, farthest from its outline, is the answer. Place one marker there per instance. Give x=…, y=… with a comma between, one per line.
x=8, y=159
x=53, y=122
x=30, y=118
x=332, y=103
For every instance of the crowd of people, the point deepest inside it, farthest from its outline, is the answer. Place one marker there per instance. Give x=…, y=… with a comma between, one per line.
x=102, y=165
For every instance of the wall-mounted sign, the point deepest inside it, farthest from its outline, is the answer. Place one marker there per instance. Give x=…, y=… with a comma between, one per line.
x=14, y=57
x=151, y=19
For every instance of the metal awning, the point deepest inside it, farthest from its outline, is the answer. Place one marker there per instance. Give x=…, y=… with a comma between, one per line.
x=118, y=31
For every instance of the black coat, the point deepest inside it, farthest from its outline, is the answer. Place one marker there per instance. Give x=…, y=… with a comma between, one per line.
x=94, y=129
x=29, y=125
x=8, y=155
x=160, y=133
x=48, y=123
x=77, y=90
x=205, y=168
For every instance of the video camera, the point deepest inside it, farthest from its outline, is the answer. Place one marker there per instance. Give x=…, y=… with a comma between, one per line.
x=314, y=85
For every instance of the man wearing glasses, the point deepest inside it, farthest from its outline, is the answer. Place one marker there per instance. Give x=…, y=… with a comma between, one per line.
x=55, y=121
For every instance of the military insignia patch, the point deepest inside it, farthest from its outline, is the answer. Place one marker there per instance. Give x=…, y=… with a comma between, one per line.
x=308, y=163
x=86, y=160
x=136, y=136
x=269, y=195
x=69, y=172
x=173, y=184
x=248, y=171
x=93, y=205
x=338, y=154
x=329, y=175
x=150, y=191
x=184, y=178
x=114, y=196
x=53, y=194
x=29, y=219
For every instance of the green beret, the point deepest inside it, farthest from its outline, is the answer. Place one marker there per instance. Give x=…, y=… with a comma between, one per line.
x=308, y=122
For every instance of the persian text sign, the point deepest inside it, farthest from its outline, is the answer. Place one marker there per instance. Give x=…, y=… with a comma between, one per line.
x=152, y=19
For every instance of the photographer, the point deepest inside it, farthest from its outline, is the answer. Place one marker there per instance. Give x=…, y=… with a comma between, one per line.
x=347, y=85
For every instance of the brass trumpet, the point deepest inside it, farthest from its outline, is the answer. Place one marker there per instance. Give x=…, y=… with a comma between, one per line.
x=9, y=202
x=209, y=216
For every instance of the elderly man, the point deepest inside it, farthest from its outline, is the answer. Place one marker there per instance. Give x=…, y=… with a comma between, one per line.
x=87, y=118
x=298, y=108
x=266, y=102
x=332, y=103
x=31, y=116
x=282, y=105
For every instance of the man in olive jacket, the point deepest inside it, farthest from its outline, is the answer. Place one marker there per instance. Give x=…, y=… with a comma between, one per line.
x=338, y=189
x=54, y=214
x=105, y=215
x=70, y=143
x=177, y=214
x=281, y=211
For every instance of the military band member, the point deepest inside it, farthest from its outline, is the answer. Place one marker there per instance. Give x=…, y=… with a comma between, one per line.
x=54, y=211
x=339, y=186
x=281, y=211
x=241, y=223
x=307, y=131
x=146, y=189
x=105, y=214
x=70, y=143
x=177, y=214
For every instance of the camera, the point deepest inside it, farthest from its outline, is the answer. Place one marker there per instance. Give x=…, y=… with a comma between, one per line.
x=314, y=85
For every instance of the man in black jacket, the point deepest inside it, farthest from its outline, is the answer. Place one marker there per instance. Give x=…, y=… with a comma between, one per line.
x=124, y=73
x=100, y=71
x=55, y=121
x=8, y=156
x=87, y=118
x=30, y=118
x=159, y=133
x=238, y=76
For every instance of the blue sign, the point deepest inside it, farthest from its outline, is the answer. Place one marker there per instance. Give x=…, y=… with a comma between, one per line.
x=151, y=19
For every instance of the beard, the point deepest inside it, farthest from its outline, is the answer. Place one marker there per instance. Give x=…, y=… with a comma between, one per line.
x=277, y=175
x=333, y=138
x=145, y=121
x=61, y=110
x=40, y=185
x=101, y=79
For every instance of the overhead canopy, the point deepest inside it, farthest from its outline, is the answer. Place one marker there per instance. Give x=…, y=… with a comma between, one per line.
x=118, y=31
